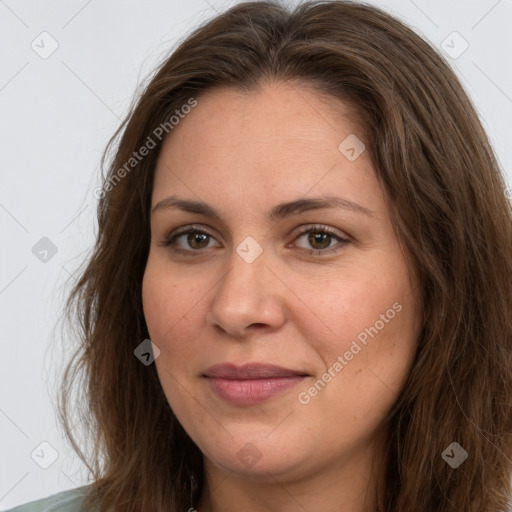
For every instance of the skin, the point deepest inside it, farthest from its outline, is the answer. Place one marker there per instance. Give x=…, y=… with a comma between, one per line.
x=244, y=153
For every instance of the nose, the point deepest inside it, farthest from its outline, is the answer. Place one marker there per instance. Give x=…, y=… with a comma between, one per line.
x=247, y=298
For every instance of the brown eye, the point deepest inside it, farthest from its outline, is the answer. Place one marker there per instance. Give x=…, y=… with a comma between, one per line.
x=198, y=240
x=190, y=241
x=319, y=240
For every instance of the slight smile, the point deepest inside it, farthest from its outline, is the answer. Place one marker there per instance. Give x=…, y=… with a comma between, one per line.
x=251, y=383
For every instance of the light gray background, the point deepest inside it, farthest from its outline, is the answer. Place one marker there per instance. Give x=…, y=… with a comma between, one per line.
x=57, y=114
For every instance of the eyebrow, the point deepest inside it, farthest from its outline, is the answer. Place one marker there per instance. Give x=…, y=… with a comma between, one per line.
x=277, y=212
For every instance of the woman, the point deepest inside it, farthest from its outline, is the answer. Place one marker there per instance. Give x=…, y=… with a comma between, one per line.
x=300, y=294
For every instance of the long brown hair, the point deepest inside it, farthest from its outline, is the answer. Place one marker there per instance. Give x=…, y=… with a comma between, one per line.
x=447, y=201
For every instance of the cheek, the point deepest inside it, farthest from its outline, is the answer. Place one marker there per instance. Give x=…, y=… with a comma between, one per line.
x=366, y=362
x=174, y=317
x=156, y=300
x=369, y=319
x=347, y=307
x=165, y=300
x=165, y=306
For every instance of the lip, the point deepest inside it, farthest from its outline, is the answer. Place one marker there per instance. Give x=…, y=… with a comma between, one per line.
x=251, y=383
x=250, y=371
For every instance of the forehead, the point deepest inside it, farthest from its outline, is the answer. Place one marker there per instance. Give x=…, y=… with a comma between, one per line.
x=272, y=115
x=279, y=139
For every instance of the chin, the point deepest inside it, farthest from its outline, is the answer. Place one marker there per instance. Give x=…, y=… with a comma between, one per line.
x=256, y=456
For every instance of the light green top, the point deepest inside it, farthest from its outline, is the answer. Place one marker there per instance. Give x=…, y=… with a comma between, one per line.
x=65, y=501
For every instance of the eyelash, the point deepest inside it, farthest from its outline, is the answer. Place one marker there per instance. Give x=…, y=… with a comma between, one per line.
x=317, y=228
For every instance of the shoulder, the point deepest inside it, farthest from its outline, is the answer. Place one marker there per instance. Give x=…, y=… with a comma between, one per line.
x=65, y=501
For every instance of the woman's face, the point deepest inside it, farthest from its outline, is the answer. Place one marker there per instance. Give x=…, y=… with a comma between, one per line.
x=288, y=259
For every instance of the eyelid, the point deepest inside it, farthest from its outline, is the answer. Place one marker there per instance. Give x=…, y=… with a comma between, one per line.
x=183, y=230
x=306, y=228
x=343, y=239
x=188, y=228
